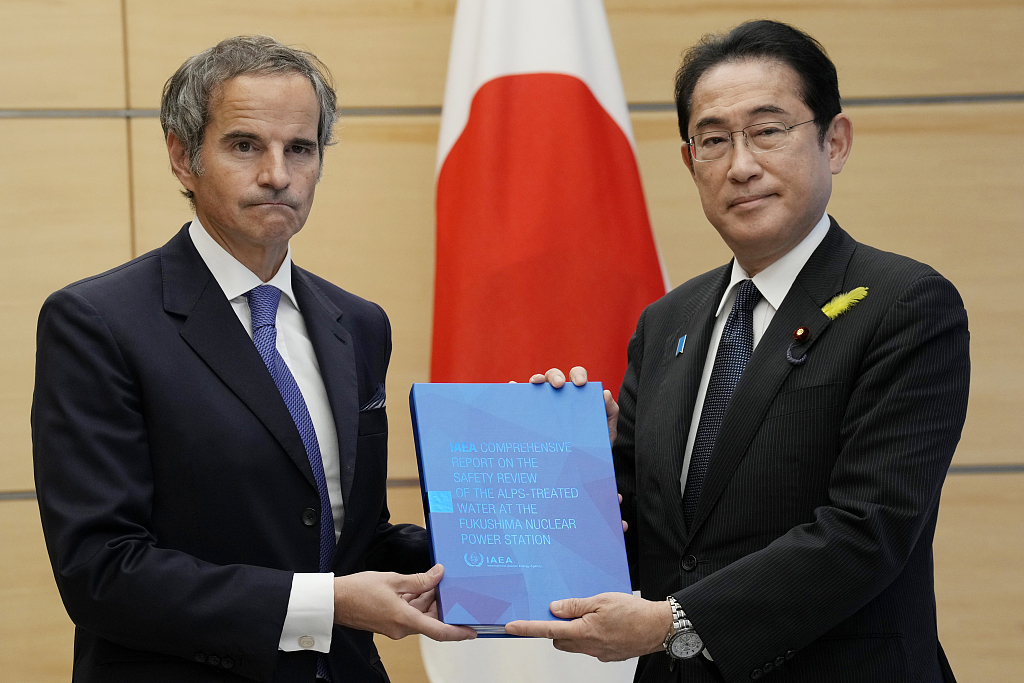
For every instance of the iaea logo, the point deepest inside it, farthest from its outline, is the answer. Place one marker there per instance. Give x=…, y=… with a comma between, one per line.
x=474, y=559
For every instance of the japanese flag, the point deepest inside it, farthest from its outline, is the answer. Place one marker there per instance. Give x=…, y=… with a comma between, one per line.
x=545, y=256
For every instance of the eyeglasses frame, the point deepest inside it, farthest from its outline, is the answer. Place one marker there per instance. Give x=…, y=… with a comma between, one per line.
x=746, y=140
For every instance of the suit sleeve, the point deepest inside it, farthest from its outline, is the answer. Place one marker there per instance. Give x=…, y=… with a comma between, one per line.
x=901, y=425
x=95, y=489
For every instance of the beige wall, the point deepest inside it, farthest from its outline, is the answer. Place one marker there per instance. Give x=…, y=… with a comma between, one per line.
x=941, y=183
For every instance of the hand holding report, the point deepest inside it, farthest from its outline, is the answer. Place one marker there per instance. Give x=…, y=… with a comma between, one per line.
x=578, y=376
x=610, y=626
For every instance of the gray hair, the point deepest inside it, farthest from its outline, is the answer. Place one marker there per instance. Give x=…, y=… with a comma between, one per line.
x=185, y=106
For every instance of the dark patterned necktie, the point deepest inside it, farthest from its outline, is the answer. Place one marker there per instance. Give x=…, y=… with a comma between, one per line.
x=263, y=302
x=730, y=361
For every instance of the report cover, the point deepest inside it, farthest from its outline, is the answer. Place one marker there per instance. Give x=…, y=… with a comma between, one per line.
x=519, y=497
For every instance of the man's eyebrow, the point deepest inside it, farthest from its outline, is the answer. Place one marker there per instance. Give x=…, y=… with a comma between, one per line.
x=720, y=122
x=305, y=142
x=240, y=135
x=709, y=121
x=768, y=109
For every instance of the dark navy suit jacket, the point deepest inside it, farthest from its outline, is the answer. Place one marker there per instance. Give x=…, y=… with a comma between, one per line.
x=810, y=554
x=173, y=485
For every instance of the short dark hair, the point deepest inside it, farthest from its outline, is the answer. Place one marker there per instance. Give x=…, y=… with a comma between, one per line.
x=764, y=40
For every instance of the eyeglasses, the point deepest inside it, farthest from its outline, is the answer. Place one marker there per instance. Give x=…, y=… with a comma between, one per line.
x=760, y=138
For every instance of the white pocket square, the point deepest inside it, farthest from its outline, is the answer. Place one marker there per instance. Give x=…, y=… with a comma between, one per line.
x=378, y=400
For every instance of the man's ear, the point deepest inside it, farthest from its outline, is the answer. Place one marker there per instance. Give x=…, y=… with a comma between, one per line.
x=687, y=159
x=180, y=162
x=839, y=141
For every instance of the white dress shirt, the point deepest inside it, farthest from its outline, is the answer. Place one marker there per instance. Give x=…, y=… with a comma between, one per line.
x=773, y=282
x=310, y=616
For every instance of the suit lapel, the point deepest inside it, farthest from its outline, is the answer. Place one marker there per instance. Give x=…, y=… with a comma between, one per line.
x=820, y=278
x=682, y=373
x=335, y=355
x=212, y=329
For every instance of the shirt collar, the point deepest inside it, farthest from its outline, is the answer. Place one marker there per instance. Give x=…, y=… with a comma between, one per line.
x=774, y=281
x=233, y=277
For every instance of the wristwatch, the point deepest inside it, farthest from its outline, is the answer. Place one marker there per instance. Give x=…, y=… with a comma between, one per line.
x=682, y=642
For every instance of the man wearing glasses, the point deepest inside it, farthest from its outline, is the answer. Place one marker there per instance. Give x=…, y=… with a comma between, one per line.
x=786, y=420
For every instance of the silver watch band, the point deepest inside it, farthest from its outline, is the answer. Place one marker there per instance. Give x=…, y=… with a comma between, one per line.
x=679, y=621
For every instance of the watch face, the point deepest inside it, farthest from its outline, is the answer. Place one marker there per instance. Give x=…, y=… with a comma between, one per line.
x=685, y=645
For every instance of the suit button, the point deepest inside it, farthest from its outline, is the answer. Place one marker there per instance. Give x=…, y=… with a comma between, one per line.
x=756, y=674
x=227, y=663
x=309, y=517
x=200, y=657
x=779, y=661
x=689, y=563
x=767, y=668
x=790, y=654
x=213, y=660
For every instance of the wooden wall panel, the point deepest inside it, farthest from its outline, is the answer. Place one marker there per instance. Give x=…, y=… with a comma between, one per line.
x=979, y=550
x=396, y=53
x=36, y=635
x=381, y=52
x=892, y=49
x=65, y=216
x=159, y=208
x=63, y=54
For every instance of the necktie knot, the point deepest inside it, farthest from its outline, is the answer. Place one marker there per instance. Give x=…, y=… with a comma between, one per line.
x=263, y=301
x=747, y=296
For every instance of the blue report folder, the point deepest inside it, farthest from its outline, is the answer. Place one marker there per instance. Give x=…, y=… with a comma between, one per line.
x=519, y=497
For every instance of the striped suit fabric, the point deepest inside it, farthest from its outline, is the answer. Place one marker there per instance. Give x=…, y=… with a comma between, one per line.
x=810, y=553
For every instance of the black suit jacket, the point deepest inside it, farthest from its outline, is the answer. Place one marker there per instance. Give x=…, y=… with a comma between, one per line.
x=172, y=481
x=810, y=556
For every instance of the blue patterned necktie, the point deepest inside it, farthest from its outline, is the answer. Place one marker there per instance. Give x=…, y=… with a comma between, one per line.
x=263, y=301
x=731, y=360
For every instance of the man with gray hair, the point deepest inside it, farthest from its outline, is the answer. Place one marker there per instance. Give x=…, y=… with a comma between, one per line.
x=208, y=423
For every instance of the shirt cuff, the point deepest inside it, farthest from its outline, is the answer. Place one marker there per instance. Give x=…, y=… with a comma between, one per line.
x=309, y=621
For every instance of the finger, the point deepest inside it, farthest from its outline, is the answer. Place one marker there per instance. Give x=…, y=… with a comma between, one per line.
x=572, y=608
x=418, y=583
x=611, y=408
x=578, y=375
x=536, y=379
x=423, y=601
x=625, y=526
x=620, y=499
x=439, y=631
x=538, y=629
x=556, y=377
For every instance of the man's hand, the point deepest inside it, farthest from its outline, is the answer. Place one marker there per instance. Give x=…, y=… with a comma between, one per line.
x=395, y=605
x=609, y=626
x=578, y=376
